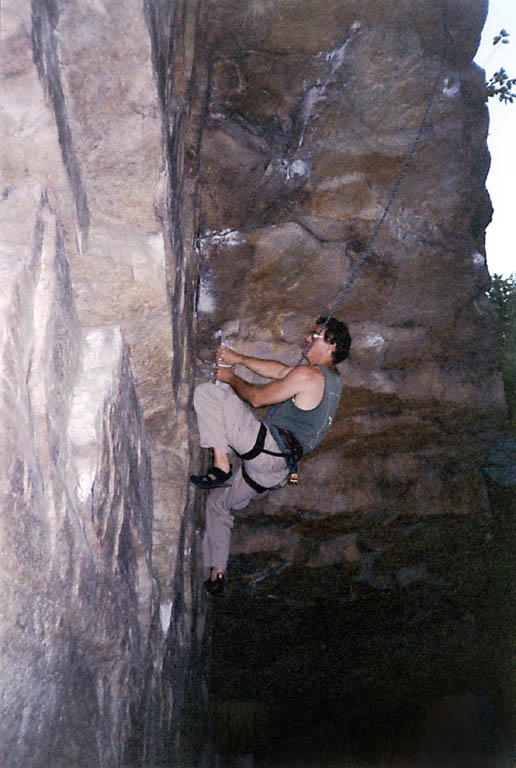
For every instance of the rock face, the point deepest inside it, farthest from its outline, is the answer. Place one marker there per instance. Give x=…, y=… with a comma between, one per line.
x=174, y=173
x=79, y=601
x=358, y=586
x=100, y=618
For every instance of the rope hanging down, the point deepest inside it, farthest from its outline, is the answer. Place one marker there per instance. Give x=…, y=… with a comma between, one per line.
x=356, y=271
x=372, y=239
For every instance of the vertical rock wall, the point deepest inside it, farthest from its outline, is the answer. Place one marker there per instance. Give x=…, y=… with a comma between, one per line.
x=309, y=126
x=79, y=601
x=100, y=623
x=364, y=578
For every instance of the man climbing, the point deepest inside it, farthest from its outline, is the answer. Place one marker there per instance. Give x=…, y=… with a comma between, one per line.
x=309, y=395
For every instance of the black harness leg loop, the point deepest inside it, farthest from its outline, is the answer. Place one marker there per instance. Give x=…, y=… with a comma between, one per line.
x=252, y=483
x=257, y=447
x=291, y=456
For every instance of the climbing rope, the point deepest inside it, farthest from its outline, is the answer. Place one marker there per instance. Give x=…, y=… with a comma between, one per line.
x=391, y=201
x=372, y=239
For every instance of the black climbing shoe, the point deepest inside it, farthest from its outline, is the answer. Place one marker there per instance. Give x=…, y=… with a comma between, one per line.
x=214, y=478
x=216, y=587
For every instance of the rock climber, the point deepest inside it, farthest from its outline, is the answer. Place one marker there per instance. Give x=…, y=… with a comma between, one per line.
x=308, y=393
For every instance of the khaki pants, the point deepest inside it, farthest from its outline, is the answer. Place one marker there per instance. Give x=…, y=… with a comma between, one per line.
x=225, y=422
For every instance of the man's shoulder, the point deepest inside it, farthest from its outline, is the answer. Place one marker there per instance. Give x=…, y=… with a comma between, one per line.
x=311, y=376
x=303, y=377
x=305, y=372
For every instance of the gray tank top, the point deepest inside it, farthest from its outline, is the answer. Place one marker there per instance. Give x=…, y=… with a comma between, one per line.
x=308, y=426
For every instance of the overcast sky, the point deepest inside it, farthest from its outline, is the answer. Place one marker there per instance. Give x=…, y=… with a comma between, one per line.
x=501, y=182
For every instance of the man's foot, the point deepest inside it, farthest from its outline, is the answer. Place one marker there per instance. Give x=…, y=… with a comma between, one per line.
x=214, y=478
x=216, y=587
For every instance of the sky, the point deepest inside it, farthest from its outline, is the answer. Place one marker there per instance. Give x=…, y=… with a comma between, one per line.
x=501, y=181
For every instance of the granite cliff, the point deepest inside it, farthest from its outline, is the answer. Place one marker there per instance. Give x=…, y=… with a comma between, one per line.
x=173, y=174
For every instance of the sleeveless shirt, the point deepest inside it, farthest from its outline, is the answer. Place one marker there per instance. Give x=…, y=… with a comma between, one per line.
x=309, y=427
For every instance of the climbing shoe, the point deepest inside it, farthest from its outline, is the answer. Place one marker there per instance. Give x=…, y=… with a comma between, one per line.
x=216, y=587
x=214, y=478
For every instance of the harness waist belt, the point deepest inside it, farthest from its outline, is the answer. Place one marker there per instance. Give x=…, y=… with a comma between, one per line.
x=291, y=456
x=294, y=448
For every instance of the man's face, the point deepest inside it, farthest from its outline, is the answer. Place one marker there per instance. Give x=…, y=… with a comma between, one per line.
x=312, y=350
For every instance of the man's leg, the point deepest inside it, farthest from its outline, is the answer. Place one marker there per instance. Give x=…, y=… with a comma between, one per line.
x=225, y=421
x=269, y=471
x=208, y=405
x=219, y=523
x=221, y=460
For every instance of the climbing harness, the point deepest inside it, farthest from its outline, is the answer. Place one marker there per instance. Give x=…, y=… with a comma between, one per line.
x=252, y=483
x=292, y=455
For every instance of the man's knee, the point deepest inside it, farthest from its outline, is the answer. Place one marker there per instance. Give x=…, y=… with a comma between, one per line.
x=218, y=508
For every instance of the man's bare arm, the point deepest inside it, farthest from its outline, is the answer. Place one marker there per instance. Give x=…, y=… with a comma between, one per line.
x=300, y=381
x=269, y=369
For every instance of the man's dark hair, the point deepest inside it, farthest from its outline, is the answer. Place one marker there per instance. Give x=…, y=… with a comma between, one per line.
x=336, y=332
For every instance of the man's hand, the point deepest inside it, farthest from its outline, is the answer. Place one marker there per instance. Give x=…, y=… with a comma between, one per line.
x=227, y=356
x=224, y=372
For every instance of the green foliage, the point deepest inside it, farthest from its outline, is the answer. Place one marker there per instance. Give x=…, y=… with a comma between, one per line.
x=500, y=84
x=502, y=295
x=501, y=37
